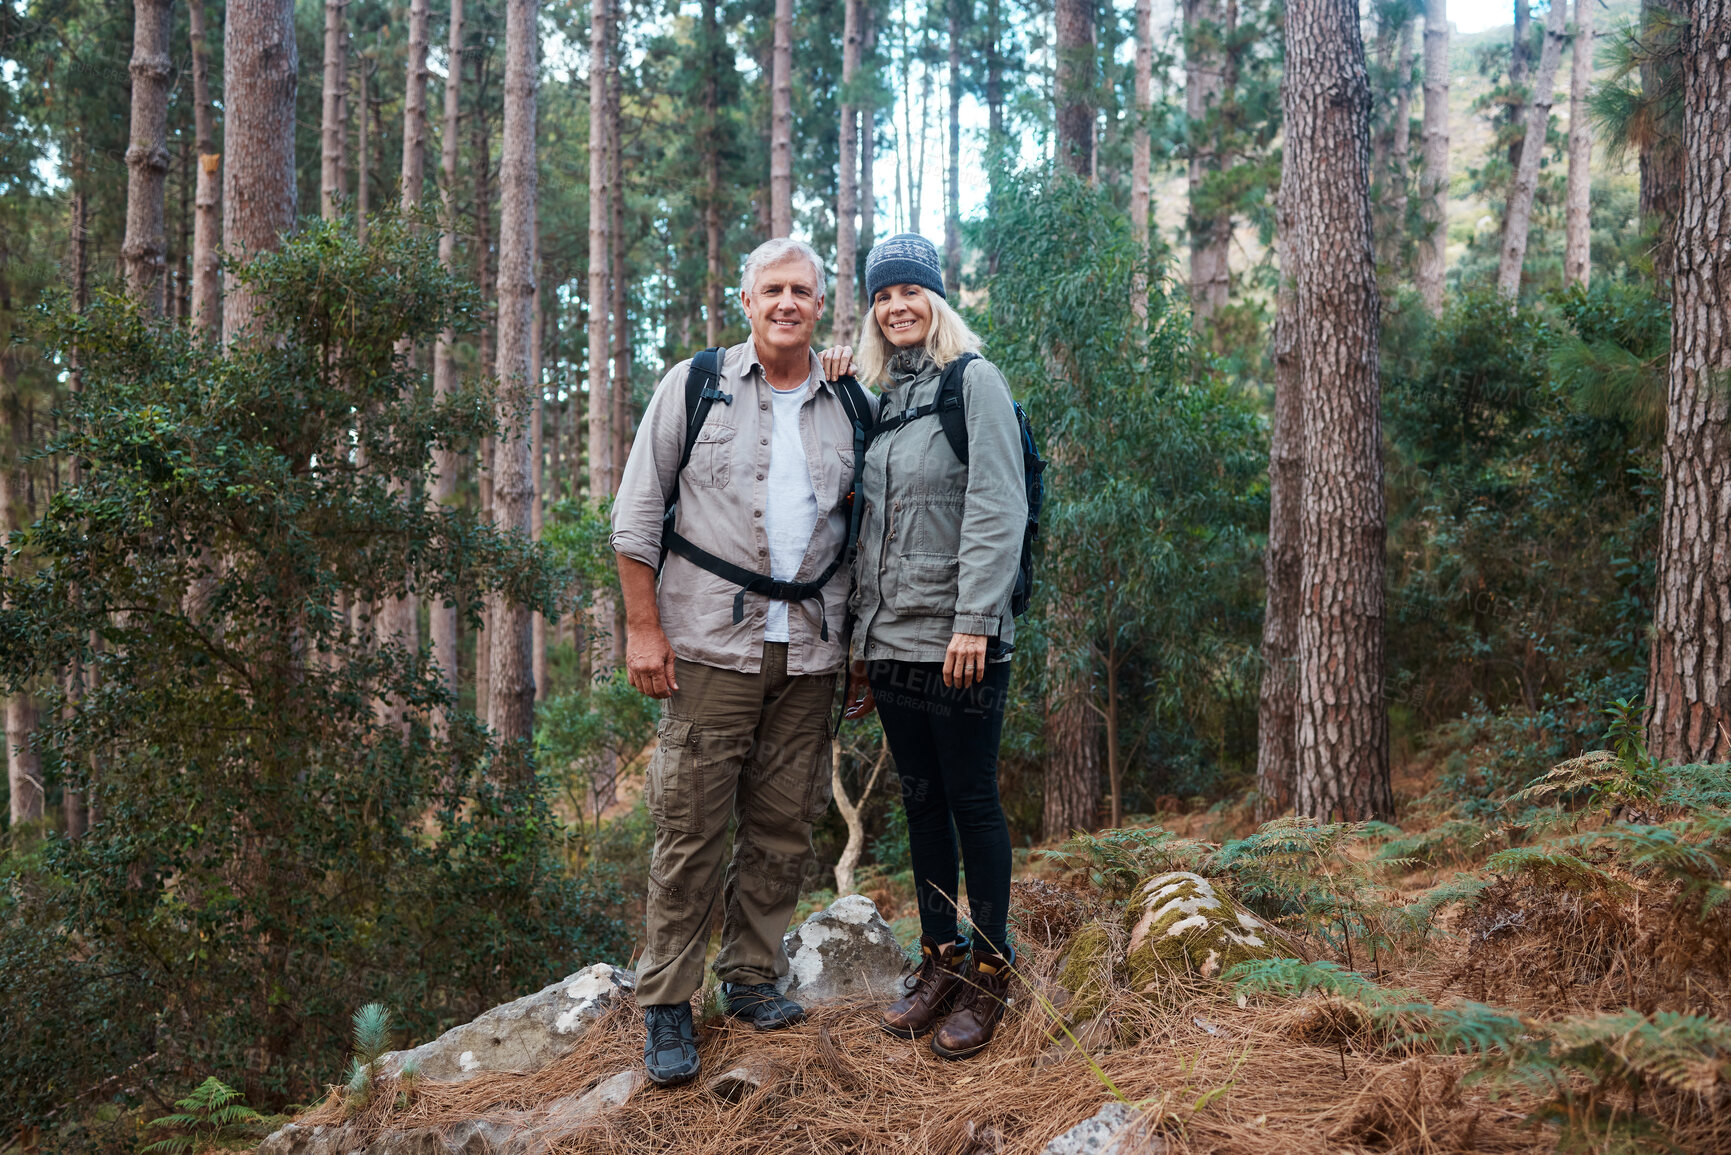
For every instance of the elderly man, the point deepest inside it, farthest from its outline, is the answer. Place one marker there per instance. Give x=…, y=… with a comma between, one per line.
x=742, y=637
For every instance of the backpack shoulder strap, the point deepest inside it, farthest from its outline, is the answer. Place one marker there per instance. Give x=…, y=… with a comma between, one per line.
x=952, y=412
x=702, y=391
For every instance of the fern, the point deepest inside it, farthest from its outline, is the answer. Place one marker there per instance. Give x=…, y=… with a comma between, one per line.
x=1552, y=867
x=1117, y=859
x=213, y=1118
x=1463, y=888
x=1685, y=1053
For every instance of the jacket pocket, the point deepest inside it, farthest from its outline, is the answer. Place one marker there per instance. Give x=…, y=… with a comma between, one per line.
x=927, y=584
x=712, y=456
x=675, y=783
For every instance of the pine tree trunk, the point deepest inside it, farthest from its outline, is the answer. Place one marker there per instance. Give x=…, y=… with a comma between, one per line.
x=600, y=397
x=333, y=133
x=1518, y=221
x=868, y=205
x=1661, y=162
x=363, y=151
x=618, y=282
x=538, y=451
x=1342, y=720
x=781, y=124
x=207, y=190
x=23, y=764
x=1075, y=87
x=145, y=248
x=1689, y=675
x=1433, y=189
x=1577, y=212
x=1401, y=155
x=715, y=275
x=1518, y=60
x=441, y=618
x=1072, y=787
x=1141, y=155
x=260, y=63
x=481, y=147
x=512, y=712
x=1283, y=561
x=953, y=217
x=847, y=181
x=1205, y=88
x=415, y=109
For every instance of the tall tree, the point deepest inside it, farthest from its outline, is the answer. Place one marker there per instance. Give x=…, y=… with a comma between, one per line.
x=333, y=122
x=953, y=208
x=414, y=172
x=145, y=249
x=1517, y=222
x=260, y=64
x=781, y=124
x=1208, y=31
x=1141, y=148
x=600, y=272
x=1689, y=675
x=512, y=710
x=1433, y=185
x=23, y=762
x=1519, y=58
x=442, y=618
x=1282, y=559
x=1577, y=211
x=1661, y=154
x=713, y=52
x=207, y=194
x=1342, y=719
x=1400, y=154
x=847, y=183
x=1075, y=86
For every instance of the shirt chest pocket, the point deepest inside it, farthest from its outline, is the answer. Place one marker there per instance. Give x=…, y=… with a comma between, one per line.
x=712, y=456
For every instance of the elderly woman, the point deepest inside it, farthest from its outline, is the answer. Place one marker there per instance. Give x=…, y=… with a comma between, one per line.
x=940, y=540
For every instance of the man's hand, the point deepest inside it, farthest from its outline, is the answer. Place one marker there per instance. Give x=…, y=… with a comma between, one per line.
x=858, y=702
x=649, y=662
x=837, y=362
x=965, y=661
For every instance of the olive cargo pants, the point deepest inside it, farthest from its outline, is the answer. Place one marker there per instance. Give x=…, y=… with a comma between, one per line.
x=751, y=746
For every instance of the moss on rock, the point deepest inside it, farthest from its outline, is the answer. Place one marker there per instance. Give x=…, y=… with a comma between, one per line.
x=1087, y=971
x=1181, y=924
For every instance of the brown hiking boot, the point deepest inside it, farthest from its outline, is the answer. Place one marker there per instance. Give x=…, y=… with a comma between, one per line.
x=983, y=999
x=933, y=990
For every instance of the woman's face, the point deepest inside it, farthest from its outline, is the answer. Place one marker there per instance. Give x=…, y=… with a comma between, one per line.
x=904, y=314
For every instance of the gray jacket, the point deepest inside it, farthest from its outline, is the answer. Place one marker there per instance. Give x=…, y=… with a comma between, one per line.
x=939, y=541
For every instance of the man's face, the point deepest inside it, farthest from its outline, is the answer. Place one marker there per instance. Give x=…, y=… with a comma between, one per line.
x=784, y=305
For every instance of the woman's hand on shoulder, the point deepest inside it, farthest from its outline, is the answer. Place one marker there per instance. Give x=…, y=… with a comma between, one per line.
x=837, y=362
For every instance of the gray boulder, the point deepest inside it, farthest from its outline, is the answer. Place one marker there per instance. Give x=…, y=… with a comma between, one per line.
x=521, y=1036
x=504, y=1133
x=1115, y=1129
x=842, y=953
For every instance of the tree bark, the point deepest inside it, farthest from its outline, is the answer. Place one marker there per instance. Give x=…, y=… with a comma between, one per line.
x=1342, y=719
x=481, y=146
x=1689, y=675
x=1518, y=221
x=145, y=248
x=207, y=190
x=442, y=618
x=23, y=763
x=260, y=63
x=363, y=151
x=1141, y=149
x=415, y=109
x=1661, y=160
x=1433, y=190
x=847, y=181
x=1072, y=794
x=781, y=124
x=1518, y=61
x=953, y=213
x=1282, y=560
x=1577, y=212
x=715, y=275
x=538, y=451
x=601, y=195
x=1401, y=152
x=333, y=132
x=512, y=710
x=852, y=811
x=1207, y=28
x=1075, y=86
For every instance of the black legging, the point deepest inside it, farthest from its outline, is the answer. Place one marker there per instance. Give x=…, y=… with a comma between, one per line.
x=945, y=744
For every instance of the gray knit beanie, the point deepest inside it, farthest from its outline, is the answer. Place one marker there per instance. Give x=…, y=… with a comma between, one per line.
x=904, y=259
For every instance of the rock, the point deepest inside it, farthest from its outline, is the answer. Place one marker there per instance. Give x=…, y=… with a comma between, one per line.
x=505, y=1133
x=1180, y=923
x=843, y=952
x=521, y=1036
x=1115, y=1129
x=752, y=1075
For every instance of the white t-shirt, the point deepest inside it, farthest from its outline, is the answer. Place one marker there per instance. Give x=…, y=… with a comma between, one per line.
x=790, y=510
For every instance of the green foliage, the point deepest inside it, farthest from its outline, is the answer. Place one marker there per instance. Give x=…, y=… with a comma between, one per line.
x=1119, y=858
x=294, y=819
x=214, y=1117
x=588, y=732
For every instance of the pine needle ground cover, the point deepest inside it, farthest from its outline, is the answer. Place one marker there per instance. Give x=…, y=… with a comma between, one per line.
x=1565, y=988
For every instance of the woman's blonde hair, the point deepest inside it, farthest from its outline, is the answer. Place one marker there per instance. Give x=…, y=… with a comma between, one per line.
x=948, y=338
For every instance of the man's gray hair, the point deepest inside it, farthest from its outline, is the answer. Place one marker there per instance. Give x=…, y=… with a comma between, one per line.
x=774, y=252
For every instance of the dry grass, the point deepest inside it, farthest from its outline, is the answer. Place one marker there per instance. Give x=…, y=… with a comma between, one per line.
x=1220, y=1077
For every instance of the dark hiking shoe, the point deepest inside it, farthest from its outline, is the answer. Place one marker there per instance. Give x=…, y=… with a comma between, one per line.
x=669, y=1044
x=761, y=1005
x=984, y=997
x=932, y=991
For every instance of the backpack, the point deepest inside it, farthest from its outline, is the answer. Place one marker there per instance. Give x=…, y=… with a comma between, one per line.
x=702, y=391
x=952, y=415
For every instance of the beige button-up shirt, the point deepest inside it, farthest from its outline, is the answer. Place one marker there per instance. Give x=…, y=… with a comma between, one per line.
x=722, y=498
